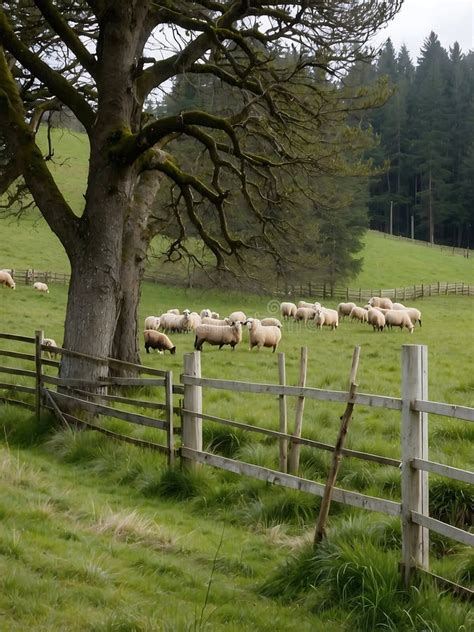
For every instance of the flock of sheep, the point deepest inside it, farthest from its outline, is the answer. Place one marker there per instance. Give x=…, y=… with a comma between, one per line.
x=6, y=279
x=266, y=332
x=379, y=312
x=209, y=327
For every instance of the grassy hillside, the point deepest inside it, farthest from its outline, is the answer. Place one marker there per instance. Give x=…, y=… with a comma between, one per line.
x=80, y=552
x=100, y=536
x=387, y=262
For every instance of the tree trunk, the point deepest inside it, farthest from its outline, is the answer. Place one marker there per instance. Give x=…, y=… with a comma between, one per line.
x=140, y=228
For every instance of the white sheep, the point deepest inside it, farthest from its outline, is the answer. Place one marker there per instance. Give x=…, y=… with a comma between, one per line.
x=399, y=318
x=215, y=335
x=358, y=313
x=398, y=306
x=376, y=318
x=50, y=342
x=193, y=321
x=344, y=309
x=152, y=322
x=270, y=322
x=219, y=322
x=331, y=317
x=263, y=335
x=156, y=340
x=310, y=305
x=305, y=314
x=206, y=313
x=415, y=315
x=379, y=301
x=172, y=322
x=175, y=310
x=288, y=310
x=215, y=315
x=319, y=318
x=238, y=316
x=41, y=287
x=7, y=280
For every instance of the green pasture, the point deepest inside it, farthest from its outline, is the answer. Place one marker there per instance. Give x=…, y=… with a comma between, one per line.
x=97, y=535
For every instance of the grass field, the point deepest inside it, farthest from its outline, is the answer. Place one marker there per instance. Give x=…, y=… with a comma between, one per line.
x=93, y=536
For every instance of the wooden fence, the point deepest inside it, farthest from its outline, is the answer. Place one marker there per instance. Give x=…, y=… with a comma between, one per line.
x=308, y=290
x=413, y=405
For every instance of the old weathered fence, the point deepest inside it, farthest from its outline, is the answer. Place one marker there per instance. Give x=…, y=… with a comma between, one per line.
x=53, y=393
x=304, y=290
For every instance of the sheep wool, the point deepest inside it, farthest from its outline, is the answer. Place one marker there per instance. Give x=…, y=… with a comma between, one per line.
x=263, y=335
x=152, y=322
x=215, y=335
x=305, y=314
x=270, y=322
x=399, y=318
x=41, y=287
x=238, y=317
x=157, y=340
x=50, y=342
x=376, y=318
x=288, y=310
x=344, y=309
x=358, y=313
x=6, y=279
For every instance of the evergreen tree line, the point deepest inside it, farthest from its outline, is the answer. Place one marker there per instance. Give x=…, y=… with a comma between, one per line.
x=426, y=132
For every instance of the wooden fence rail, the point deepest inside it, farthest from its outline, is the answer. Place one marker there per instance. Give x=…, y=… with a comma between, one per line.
x=413, y=405
x=307, y=289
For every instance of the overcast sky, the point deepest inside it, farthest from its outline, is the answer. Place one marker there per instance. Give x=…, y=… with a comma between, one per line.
x=451, y=20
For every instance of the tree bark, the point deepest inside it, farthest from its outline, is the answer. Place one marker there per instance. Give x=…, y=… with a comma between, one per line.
x=140, y=228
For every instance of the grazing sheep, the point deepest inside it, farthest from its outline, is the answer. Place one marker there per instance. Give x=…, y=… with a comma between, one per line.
x=41, y=287
x=331, y=317
x=344, y=309
x=171, y=322
x=270, y=322
x=50, y=342
x=415, y=315
x=175, y=310
x=398, y=306
x=305, y=314
x=306, y=304
x=6, y=279
x=218, y=322
x=376, y=318
x=263, y=335
x=215, y=315
x=193, y=321
x=399, y=318
x=378, y=301
x=238, y=316
x=319, y=319
x=206, y=313
x=288, y=310
x=157, y=340
x=215, y=335
x=358, y=313
x=152, y=322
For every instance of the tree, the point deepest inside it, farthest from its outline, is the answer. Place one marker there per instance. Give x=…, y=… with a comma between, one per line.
x=104, y=60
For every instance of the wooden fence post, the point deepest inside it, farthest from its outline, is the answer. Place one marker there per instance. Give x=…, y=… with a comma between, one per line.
x=38, y=342
x=337, y=454
x=169, y=412
x=294, y=460
x=415, y=539
x=283, y=415
x=191, y=431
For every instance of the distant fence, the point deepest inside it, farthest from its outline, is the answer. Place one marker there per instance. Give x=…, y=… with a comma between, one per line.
x=60, y=395
x=308, y=290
